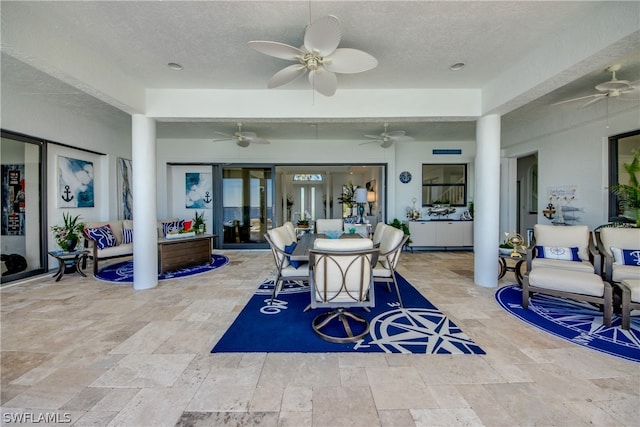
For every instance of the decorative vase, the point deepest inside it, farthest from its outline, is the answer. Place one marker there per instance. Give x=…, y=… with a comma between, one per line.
x=70, y=244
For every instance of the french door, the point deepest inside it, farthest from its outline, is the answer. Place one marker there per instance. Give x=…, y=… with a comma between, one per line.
x=247, y=205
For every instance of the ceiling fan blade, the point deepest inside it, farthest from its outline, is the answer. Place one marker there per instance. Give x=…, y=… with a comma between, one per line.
x=579, y=98
x=594, y=100
x=403, y=138
x=259, y=141
x=348, y=61
x=376, y=137
x=248, y=135
x=323, y=35
x=287, y=75
x=276, y=49
x=323, y=81
x=396, y=133
x=631, y=94
x=222, y=139
x=369, y=142
x=223, y=134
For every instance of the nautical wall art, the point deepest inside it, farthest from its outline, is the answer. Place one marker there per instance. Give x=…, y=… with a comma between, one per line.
x=198, y=190
x=75, y=183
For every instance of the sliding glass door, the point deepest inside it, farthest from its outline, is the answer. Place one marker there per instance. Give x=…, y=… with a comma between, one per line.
x=247, y=205
x=23, y=227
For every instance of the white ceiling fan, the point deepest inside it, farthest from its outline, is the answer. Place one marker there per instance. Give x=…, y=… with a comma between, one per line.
x=319, y=55
x=242, y=139
x=386, y=139
x=619, y=89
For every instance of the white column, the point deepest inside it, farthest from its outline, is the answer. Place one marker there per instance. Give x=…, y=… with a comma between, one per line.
x=143, y=156
x=487, y=201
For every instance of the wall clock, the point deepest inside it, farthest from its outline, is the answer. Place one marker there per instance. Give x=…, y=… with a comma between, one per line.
x=405, y=177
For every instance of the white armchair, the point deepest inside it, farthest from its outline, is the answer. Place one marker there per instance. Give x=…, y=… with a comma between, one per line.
x=612, y=242
x=280, y=242
x=324, y=225
x=391, y=244
x=567, y=247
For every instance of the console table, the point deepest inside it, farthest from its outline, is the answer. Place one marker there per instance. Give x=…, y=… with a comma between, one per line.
x=184, y=252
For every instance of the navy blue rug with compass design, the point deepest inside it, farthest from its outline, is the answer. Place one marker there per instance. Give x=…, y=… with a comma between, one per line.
x=577, y=322
x=284, y=326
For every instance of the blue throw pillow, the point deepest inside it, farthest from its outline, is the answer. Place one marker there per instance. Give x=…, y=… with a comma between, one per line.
x=103, y=236
x=289, y=250
x=626, y=256
x=127, y=235
x=565, y=254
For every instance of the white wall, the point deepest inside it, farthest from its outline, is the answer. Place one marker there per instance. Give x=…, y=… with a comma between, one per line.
x=55, y=118
x=570, y=152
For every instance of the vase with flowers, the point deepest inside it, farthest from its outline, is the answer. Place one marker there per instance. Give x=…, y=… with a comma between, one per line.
x=68, y=235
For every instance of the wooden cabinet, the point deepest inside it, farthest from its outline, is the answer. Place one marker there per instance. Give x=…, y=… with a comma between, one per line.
x=441, y=234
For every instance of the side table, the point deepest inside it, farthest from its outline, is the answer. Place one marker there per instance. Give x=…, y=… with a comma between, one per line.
x=503, y=267
x=71, y=259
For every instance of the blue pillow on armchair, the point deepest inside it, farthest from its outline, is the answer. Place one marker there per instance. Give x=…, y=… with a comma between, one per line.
x=289, y=250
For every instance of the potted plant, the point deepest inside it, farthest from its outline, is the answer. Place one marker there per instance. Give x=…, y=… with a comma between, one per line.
x=629, y=194
x=68, y=235
x=303, y=223
x=396, y=223
x=198, y=223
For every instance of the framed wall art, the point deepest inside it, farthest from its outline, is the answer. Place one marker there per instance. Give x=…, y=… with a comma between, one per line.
x=75, y=183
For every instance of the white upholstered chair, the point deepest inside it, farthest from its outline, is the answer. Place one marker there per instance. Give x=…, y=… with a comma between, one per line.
x=378, y=233
x=558, y=241
x=323, y=225
x=280, y=242
x=340, y=277
x=612, y=243
x=291, y=230
x=391, y=244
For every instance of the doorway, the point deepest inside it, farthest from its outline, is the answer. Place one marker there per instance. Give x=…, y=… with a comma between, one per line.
x=527, y=193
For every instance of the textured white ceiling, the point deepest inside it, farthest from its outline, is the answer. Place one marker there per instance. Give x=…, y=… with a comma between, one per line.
x=415, y=42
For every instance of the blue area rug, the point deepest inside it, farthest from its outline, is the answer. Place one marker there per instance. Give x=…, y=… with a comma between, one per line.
x=284, y=326
x=122, y=272
x=576, y=322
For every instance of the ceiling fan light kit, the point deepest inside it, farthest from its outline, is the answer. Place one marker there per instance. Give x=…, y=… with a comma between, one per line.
x=319, y=56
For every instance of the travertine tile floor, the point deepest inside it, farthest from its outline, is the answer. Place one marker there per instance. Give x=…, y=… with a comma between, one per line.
x=94, y=353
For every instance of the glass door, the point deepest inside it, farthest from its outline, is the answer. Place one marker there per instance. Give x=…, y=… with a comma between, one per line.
x=247, y=205
x=23, y=226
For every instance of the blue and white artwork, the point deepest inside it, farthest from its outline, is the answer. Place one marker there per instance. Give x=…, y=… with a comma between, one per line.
x=75, y=183
x=198, y=190
x=124, y=184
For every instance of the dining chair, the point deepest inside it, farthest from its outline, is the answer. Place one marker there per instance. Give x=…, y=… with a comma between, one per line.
x=323, y=225
x=378, y=233
x=281, y=247
x=391, y=244
x=291, y=229
x=340, y=278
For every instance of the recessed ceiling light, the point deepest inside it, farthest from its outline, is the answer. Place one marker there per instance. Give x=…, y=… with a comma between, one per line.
x=457, y=66
x=175, y=66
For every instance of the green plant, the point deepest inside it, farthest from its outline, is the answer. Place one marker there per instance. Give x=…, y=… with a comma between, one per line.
x=70, y=231
x=303, y=223
x=348, y=196
x=629, y=194
x=396, y=223
x=198, y=221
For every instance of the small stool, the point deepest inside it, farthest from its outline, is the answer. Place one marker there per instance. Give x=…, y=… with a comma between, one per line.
x=575, y=285
x=630, y=299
